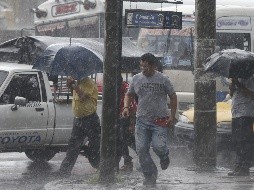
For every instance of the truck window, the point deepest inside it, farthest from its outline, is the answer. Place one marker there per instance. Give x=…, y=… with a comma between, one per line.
x=23, y=85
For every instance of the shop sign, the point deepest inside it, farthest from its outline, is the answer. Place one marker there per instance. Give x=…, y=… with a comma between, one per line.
x=65, y=9
x=51, y=27
x=233, y=23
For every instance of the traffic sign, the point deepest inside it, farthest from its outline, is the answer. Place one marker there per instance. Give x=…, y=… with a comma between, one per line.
x=153, y=19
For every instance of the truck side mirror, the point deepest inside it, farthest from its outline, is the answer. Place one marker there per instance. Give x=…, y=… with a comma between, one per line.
x=19, y=101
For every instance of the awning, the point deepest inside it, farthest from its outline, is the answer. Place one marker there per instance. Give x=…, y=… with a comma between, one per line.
x=26, y=49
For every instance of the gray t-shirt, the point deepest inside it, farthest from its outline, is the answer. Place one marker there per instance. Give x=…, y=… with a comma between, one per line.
x=152, y=95
x=242, y=105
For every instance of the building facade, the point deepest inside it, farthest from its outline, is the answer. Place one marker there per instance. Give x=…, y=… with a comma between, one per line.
x=16, y=18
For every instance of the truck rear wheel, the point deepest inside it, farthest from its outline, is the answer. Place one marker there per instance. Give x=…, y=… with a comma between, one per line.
x=40, y=155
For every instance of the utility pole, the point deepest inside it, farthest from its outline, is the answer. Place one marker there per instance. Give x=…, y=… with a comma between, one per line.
x=204, y=88
x=111, y=71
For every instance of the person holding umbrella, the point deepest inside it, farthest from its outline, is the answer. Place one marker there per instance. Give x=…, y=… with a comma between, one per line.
x=85, y=124
x=242, y=93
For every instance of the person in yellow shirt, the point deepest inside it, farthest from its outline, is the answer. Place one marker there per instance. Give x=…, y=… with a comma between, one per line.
x=85, y=96
x=85, y=124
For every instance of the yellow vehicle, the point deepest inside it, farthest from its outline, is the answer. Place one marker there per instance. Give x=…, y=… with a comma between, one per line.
x=184, y=129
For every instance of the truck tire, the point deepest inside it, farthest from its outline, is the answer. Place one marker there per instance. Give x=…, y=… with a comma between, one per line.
x=40, y=155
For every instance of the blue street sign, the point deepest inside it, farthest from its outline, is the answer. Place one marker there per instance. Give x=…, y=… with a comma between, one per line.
x=153, y=19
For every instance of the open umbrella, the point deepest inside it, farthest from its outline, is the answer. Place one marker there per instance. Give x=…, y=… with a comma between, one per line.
x=74, y=60
x=231, y=63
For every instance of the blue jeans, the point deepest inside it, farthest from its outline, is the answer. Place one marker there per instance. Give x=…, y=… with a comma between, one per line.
x=145, y=134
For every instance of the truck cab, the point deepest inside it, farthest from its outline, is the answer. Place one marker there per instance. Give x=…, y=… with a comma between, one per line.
x=26, y=125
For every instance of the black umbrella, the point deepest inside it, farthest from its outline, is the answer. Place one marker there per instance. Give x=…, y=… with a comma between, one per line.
x=231, y=63
x=74, y=60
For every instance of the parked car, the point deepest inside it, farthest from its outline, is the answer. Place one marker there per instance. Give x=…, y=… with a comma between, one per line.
x=183, y=82
x=184, y=128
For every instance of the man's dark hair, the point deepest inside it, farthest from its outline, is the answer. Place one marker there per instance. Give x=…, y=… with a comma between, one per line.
x=150, y=58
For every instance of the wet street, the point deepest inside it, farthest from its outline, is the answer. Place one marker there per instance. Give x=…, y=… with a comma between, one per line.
x=17, y=172
x=181, y=175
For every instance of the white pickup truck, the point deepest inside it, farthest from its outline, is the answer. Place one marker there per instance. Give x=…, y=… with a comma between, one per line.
x=31, y=120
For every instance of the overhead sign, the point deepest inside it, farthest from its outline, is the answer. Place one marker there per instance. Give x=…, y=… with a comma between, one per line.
x=153, y=19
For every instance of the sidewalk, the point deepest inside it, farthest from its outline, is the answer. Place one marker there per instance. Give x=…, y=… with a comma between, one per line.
x=179, y=176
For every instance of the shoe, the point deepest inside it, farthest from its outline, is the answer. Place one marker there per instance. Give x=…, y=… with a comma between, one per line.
x=240, y=171
x=61, y=174
x=127, y=167
x=164, y=163
x=150, y=181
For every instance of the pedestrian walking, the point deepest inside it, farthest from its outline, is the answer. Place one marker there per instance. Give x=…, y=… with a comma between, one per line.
x=153, y=116
x=242, y=92
x=85, y=124
x=126, y=129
